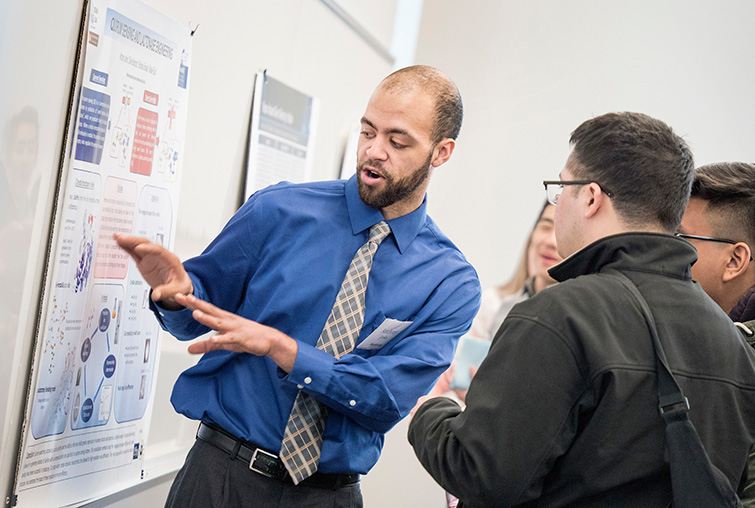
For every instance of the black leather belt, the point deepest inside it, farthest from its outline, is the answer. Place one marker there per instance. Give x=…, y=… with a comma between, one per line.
x=265, y=463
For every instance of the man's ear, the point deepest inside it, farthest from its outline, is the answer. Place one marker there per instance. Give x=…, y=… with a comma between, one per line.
x=442, y=152
x=740, y=258
x=595, y=199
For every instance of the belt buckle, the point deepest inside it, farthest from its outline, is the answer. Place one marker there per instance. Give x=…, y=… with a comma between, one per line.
x=266, y=459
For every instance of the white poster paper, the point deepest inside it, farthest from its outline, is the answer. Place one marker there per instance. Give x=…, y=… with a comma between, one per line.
x=92, y=391
x=282, y=135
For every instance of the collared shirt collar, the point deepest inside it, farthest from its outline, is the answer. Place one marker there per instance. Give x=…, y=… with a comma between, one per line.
x=405, y=228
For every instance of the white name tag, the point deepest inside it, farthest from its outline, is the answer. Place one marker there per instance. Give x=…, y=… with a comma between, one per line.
x=383, y=333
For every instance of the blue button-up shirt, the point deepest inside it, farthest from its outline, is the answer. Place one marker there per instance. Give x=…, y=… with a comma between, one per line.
x=280, y=261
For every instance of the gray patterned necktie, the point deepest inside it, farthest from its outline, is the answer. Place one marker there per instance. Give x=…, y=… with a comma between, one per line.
x=302, y=440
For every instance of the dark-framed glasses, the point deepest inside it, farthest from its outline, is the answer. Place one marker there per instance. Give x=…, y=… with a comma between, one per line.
x=707, y=239
x=554, y=188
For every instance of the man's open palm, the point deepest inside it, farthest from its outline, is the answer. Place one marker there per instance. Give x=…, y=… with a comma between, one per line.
x=161, y=269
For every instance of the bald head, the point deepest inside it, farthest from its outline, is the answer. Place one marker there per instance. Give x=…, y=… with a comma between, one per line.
x=429, y=80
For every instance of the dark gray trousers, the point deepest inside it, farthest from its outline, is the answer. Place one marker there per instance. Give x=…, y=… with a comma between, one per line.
x=211, y=479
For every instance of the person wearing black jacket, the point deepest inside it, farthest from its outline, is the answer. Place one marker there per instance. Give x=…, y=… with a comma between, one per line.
x=563, y=412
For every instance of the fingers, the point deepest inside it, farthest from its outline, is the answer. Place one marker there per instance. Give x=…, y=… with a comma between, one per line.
x=147, y=248
x=461, y=394
x=197, y=348
x=194, y=303
x=213, y=344
x=420, y=401
x=138, y=247
x=201, y=347
x=204, y=312
x=129, y=244
x=239, y=334
x=166, y=292
x=209, y=320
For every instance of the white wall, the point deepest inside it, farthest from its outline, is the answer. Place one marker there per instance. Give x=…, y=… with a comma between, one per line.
x=531, y=71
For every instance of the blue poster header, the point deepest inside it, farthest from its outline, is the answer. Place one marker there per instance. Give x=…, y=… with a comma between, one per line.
x=121, y=27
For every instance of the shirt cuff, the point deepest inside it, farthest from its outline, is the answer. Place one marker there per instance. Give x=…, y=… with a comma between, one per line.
x=168, y=318
x=312, y=370
x=176, y=319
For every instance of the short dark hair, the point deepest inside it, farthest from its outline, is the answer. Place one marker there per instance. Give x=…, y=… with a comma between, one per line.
x=729, y=189
x=646, y=166
x=449, y=110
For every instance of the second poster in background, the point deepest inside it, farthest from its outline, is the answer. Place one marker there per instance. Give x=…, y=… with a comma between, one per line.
x=282, y=134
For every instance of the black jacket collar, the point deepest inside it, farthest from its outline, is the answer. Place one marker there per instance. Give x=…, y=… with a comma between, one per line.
x=649, y=252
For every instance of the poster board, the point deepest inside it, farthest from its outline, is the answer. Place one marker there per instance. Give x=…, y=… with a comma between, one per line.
x=349, y=161
x=91, y=394
x=282, y=134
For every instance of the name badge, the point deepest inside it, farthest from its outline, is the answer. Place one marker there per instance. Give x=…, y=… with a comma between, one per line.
x=383, y=333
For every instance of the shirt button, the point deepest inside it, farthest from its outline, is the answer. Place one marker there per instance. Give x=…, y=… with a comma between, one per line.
x=352, y=403
x=307, y=380
x=300, y=386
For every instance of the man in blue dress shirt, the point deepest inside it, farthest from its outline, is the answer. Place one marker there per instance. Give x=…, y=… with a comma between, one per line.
x=267, y=284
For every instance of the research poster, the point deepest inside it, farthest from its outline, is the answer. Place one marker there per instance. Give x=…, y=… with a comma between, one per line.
x=282, y=134
x=94, y=368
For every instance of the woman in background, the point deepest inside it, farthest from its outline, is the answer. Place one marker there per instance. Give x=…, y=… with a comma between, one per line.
x=530, y=277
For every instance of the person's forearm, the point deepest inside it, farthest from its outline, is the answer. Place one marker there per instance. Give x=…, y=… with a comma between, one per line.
x=283, y=350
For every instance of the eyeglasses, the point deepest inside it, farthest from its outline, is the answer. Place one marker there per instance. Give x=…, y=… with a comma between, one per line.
x=707, y=239
x=554, y=188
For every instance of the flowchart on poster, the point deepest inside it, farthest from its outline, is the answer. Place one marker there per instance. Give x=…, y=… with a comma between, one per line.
x=95, y=365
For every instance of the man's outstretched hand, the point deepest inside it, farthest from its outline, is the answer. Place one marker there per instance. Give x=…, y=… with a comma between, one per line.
x=162, y=269
x=239, y=334
x=172, y=288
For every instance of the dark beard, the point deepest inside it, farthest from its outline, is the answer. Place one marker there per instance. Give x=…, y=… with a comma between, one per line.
x=395, y=190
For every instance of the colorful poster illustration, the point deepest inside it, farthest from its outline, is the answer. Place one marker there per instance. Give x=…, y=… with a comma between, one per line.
x=95, y=365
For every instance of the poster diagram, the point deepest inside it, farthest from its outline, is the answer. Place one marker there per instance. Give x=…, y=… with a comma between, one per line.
x=120, y=132
x=169, y=147
x=92, y=390
x=96, y=359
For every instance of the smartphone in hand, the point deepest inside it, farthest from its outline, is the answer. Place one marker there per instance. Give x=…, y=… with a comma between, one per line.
x=470, y=352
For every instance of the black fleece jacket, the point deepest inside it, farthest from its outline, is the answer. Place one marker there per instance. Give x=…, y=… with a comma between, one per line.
x=563, y=412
